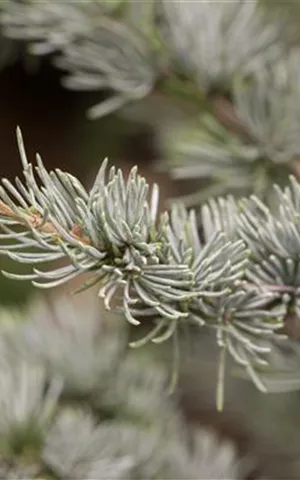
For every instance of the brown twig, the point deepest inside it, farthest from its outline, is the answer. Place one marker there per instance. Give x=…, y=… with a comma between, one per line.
x=36, y=221
x=225, y=113
x=295, y=168
x=291, y=326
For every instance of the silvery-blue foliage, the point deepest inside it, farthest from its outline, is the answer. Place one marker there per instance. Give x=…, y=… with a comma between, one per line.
x=27, y=401
x=216, y=40
x=103, y=47
x=130, y=73
x=273, y=237
x=263, y=146
x=135, y=394
x=44, y=432
x=210, y=460
x=55, y=335
x=50, y=25
x=267, y=107
x=77, y=448
x=98, y=50
x=72, y=402
x=147, y=266
x=206, y=150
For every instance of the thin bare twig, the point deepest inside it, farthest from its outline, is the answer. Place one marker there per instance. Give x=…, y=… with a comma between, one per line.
x=36, y=221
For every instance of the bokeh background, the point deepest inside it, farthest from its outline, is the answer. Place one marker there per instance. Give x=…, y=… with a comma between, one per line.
x=54, y=123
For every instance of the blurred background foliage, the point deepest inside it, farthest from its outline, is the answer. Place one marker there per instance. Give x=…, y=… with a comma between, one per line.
x=54, y=123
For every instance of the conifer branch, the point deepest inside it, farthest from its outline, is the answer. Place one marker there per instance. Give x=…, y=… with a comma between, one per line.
x=159, y=266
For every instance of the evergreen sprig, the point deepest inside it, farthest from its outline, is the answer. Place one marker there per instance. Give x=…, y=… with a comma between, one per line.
x=160, y=268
